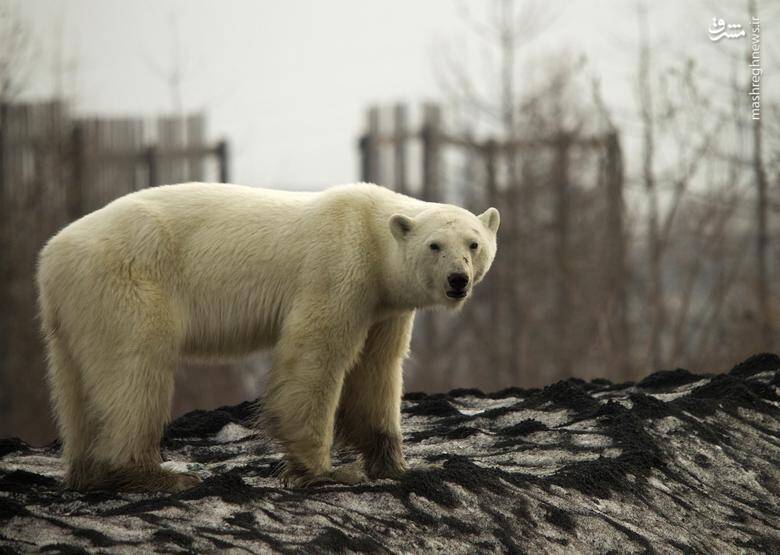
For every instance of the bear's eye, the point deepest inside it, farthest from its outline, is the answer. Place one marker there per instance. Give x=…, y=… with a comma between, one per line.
x=435, y=247
x=473, y=246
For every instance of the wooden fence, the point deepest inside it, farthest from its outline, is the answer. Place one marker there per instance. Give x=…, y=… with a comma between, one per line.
x=53, y=169
x=561, y=200
x=112, y=157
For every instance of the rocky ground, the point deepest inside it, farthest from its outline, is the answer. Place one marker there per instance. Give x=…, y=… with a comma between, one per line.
x=678, y=462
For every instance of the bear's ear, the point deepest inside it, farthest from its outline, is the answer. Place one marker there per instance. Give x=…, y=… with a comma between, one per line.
x=491, y=218
x=400, y=226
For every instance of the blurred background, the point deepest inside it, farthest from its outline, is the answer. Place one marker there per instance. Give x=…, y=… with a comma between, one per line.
x=632, y=147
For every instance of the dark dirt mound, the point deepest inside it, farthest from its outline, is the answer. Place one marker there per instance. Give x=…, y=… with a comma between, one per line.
x=677, y=462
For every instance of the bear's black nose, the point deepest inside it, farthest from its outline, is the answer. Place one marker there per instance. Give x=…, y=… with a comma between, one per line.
x=458, y=281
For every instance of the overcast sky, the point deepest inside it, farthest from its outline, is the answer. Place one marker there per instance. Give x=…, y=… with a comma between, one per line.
x=287, y=82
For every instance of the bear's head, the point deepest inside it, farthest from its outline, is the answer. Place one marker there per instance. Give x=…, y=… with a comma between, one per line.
x=446, y=251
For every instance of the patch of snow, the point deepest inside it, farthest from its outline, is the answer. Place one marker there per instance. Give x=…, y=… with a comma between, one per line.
x=233, y=432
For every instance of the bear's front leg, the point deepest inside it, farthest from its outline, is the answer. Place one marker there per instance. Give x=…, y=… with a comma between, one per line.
x=305, y=383
x=370, y=408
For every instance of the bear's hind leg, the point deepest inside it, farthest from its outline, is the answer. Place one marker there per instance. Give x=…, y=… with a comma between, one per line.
x=76, y=428
x=132, y=414
x=128, y=375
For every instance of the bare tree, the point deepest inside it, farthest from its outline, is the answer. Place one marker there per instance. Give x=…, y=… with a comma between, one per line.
x=655, y=295
x=176, y=71
x=763, y=294
x=505, y=30
x=675, y=115
x=539, y=146
x=16, y=53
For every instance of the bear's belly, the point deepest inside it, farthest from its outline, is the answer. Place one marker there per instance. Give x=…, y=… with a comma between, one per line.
x=221, y=334
x=224, y=348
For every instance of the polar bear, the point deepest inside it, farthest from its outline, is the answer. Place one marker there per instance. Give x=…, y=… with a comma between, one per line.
x=329, y=280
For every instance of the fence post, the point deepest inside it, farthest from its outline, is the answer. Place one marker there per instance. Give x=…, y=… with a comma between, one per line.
x=364, y=147
x=369, y=148
x=3, y=125
x=223, y=152
x=194, y=127
x=562, y=252
x=491, y=151
x=495, y=293
x=431, y=132
x=76, y=191
x=617, y=276
x=430, y=192
x=150, y=156
x=5, y=263
x=399, y=140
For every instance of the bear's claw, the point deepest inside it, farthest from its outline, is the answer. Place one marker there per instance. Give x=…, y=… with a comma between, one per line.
x=294, y=476
x=387, y=469
x=350, y=474
x=183, y=481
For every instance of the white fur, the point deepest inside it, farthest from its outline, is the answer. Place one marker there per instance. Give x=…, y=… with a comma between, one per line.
x=329, y=280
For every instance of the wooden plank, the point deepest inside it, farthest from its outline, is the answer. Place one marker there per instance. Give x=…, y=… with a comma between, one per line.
x=616, y=268
x=123, y=175
x=137, y=155
x=92, y=168
x=564, y=276
x=171, y=136
x=400, y=117
x=223, y=156
x=152, y=158
x=135, y=139
x=593, y=142
x=75, y=202
x=372, y=168
x=160, y=169
x=431, y=139
x=196, y=135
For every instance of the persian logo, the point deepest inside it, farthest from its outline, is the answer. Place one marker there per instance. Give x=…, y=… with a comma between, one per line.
x=720, y=30
x=756, y=71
